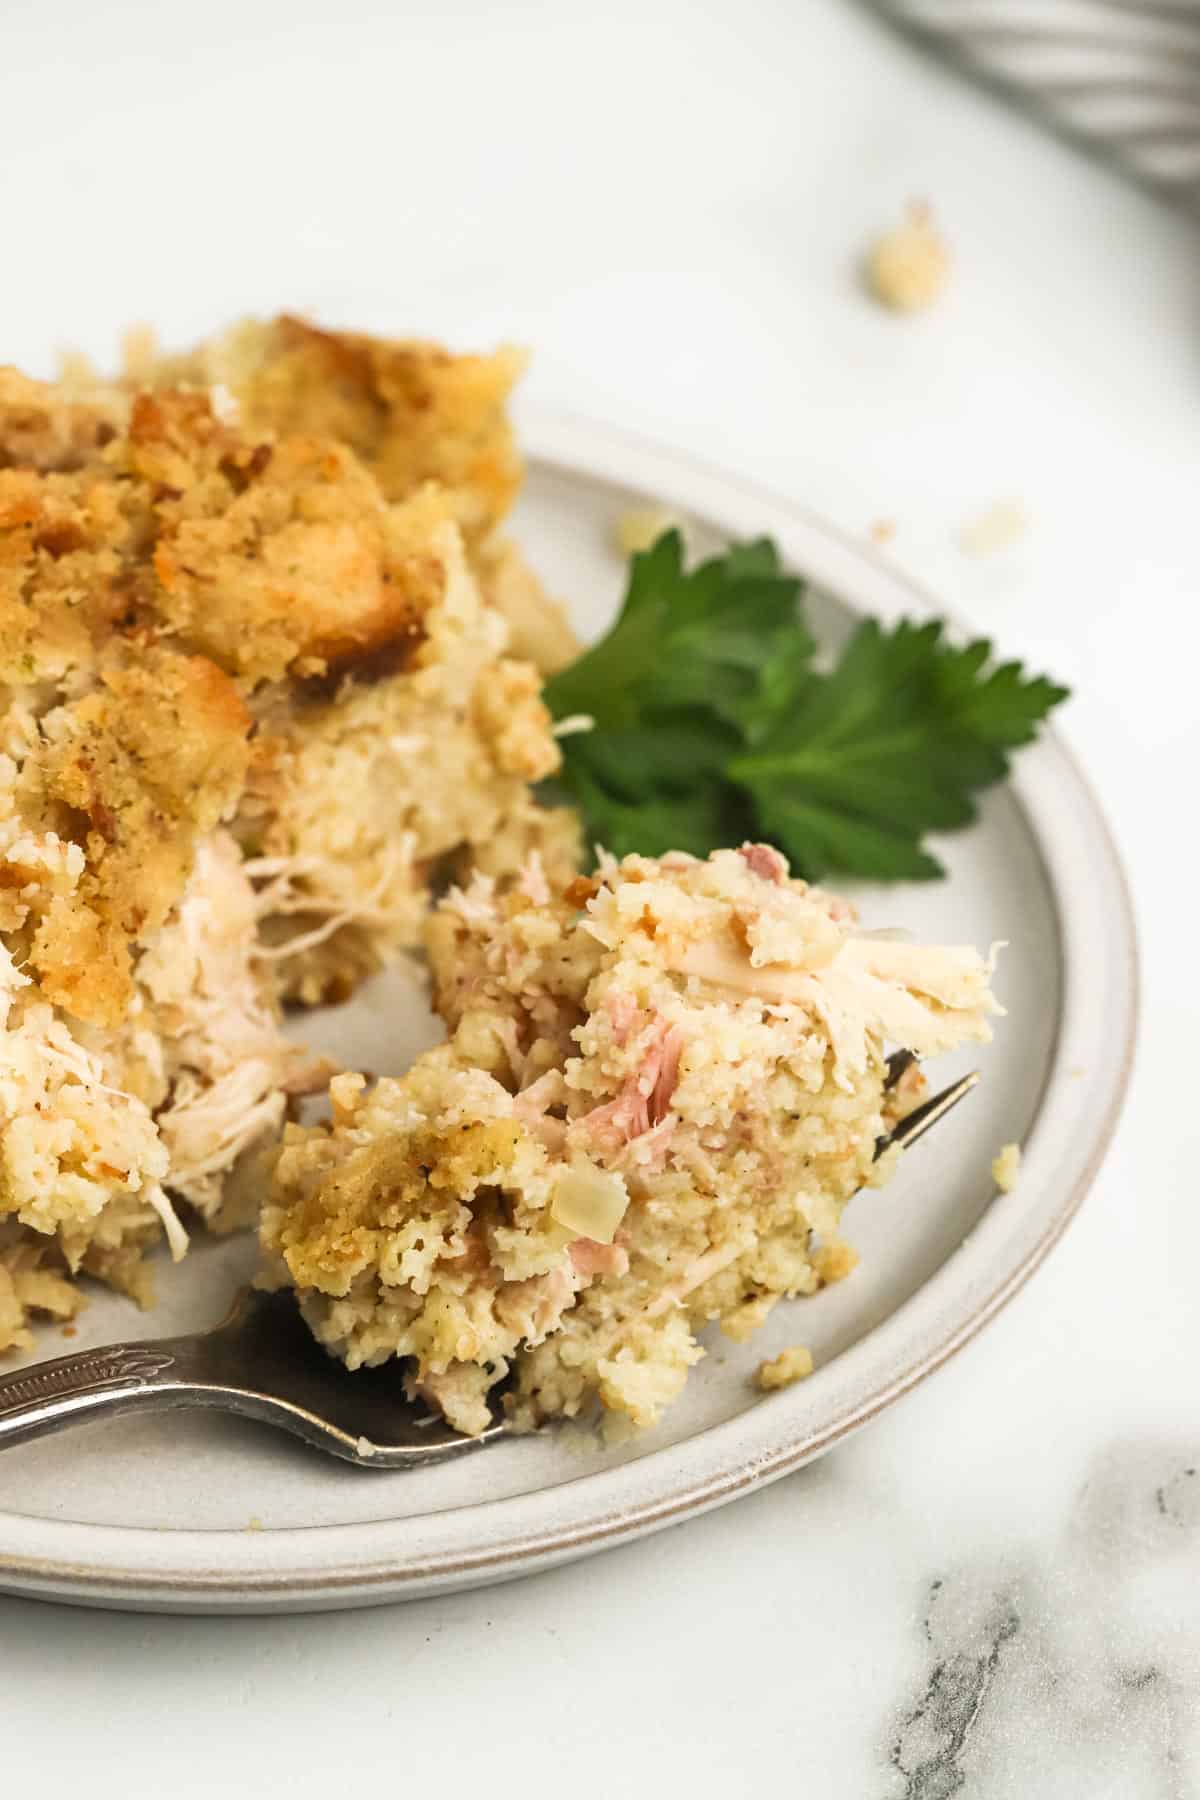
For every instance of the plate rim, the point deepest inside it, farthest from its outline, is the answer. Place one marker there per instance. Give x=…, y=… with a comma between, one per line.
x=307, y=1568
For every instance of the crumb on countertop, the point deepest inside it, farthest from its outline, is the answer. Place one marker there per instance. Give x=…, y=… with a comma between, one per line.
x=793, y=1364
x=254, y=1523
x=996, y=529
x=1006, y=1168
x=883, y=531
x=907, y=268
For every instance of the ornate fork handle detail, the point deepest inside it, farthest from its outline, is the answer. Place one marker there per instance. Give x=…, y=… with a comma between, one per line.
x=116, y=1379
x=260, y=1363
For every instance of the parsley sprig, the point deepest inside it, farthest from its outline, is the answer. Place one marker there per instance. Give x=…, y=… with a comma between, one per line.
x=714, y=724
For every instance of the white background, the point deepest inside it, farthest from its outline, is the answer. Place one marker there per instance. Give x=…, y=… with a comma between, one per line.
x=667, y=201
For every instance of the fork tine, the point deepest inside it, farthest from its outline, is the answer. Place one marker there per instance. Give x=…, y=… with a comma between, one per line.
x=898, y=1065
x=924, y=1117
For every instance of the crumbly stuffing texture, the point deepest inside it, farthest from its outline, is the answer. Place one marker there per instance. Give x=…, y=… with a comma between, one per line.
x=791, y=1365
x=365, y=790
x=55, y=426
x=412, y=414
x=1006, y=1168
x=907, y=268
x=835, y=1260
x=538, y=627
x=390, y=1218
x=685, y=1073
x=253, y=703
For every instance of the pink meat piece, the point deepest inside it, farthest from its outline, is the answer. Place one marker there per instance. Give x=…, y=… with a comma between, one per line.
x=765, y=861
x=621, y=1119
x=644, y=1098
x=591, y=1258
x=667, y=1076
x=624, y=1013
x=652, y=1146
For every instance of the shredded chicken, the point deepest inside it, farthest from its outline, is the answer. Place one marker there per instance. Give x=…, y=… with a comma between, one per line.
x=683, y=1067
x=254, y=700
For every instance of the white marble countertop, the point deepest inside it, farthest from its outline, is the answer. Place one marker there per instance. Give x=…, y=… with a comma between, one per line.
x=995, y=1590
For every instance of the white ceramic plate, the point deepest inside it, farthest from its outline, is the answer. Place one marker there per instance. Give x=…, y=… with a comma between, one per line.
x=201, y=1513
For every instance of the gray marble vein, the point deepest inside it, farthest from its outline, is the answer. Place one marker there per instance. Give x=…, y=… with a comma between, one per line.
x=934, y=1735
x=1074, y=1673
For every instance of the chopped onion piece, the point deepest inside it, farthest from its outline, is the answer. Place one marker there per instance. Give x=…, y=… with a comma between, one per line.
x=588, y=1201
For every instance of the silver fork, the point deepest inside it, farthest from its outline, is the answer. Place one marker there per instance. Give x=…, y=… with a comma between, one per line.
x=262, y=1363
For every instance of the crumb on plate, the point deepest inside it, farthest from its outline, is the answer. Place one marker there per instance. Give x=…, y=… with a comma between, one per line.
x=640, y=527
x=1006, y=1168
x=793, y=1364
x=834, y=1261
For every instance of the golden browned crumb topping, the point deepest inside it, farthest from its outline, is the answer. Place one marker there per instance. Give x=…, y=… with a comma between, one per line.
x=251, y=701
x=45, y=427
x=410, y=411
x=413, y=413
x=135, y=771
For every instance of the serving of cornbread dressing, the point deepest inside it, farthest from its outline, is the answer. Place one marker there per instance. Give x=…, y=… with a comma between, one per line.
x=662, y=1085
x=271, y=719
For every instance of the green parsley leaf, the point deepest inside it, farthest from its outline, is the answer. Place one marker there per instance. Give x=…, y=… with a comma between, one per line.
x=712, y=724
x=891, y=744
x=704, y=639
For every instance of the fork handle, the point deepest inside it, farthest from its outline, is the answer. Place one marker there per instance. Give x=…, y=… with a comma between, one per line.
x=119, y=1378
